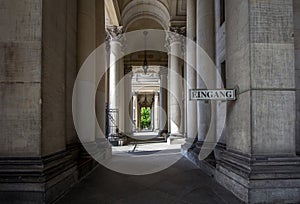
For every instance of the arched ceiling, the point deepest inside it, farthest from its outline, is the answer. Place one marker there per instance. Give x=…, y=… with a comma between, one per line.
x=164, y=12
x=124, y=3
x=136, y=10
x=144, y=23
x=149, y=14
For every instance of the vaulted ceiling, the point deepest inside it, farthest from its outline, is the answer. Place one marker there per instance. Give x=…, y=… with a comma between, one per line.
x=148, y=14
x=155, y=14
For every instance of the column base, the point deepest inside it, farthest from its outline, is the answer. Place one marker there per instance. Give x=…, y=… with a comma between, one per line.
x=36, y=180
x=260, y=179
x=207, y=165
x=189, y=143
x=175, y=139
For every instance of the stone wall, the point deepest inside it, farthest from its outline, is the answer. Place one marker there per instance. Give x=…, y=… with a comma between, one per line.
x=20, y=77
x=259, y=164
x=272, y=77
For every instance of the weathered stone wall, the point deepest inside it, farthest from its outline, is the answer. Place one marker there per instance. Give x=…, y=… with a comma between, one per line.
x=238, y=74
x=20, y=77
x=261, y=123
x=261, y=63
x=272, y=77
x=53, y=76
x=297, y=64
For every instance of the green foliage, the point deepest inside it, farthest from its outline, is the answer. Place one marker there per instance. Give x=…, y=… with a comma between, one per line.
x=145, y=117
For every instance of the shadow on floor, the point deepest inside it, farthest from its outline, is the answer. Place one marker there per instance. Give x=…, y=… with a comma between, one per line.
x=181, y=183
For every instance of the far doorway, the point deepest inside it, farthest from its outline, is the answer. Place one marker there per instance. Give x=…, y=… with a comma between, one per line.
x=146, y=119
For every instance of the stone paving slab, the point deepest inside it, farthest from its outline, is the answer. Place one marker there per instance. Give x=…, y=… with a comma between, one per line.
x=181, y=183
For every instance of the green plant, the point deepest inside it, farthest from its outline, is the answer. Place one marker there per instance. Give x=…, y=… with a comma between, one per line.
x=145, y=117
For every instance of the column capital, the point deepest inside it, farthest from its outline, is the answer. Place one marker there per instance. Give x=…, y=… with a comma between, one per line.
x=115, y=33
x=175, y=34
x=179, y=30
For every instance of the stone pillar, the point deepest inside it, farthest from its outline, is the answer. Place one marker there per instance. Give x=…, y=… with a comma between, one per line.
x=115, y=35
x=135, y=112
x=152, y=116
x=259, y=164
x=163, y=114
x=128, y=101
x=121, y=95
x=156, y=112
x=206, y=41
x=175, y=44
x=297, y=68
x=101, y=88
x=37, y=71
x=191, y=74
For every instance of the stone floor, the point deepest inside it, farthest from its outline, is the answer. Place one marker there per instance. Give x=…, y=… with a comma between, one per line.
x=181, y=183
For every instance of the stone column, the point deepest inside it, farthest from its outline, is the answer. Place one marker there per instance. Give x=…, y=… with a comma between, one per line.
x=156, y=112
x=297, y=68
x=100, y=36
x=206, y=41
x=135, y=112
x=115, y=35
x=163, y=114
x=37, y=71
x=127, y=100
x=175, y=42
x=260, y=164
x=191, y=74
x=152, y=116
x=121, y=95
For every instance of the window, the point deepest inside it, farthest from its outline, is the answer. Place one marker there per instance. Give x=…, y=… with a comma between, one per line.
x=222, y=12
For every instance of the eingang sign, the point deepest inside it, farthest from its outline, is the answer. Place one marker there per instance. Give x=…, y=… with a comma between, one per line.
x=201, y=94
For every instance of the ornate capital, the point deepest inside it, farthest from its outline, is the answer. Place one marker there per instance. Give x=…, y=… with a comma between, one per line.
x=115, y=33
x=175, y=34
x=178, y=30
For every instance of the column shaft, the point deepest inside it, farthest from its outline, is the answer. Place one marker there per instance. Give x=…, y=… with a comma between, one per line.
x=163, y=100
x=175, y=42
x=191, y=74
x=116, y=64
x=156, y=112
x=135, y=112
x=205, y=41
